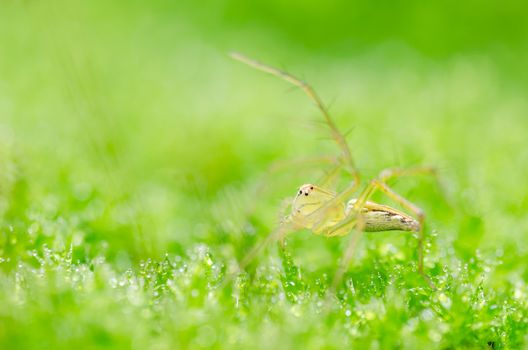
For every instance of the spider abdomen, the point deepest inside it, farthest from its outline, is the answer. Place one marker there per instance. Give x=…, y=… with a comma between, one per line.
x=380, y=217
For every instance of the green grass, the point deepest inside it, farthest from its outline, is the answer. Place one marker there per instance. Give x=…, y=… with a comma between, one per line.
x=134, y=159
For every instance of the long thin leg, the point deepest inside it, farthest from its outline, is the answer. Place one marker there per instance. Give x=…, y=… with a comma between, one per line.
x=379, y=184
x=277, y=234
x=322, y=212
x=328, y=180
x=349, y=253
x=415, y=210
x=390, y=173
x=339, y=138
x=277, y=167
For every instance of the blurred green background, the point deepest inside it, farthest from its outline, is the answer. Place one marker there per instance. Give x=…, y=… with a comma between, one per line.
x=129, y=139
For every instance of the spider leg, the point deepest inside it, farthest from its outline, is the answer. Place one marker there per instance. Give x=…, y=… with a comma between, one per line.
x=299, y=164
x=340, y=139
x=347, y=256
x=354, y=221
x=380, y=185
x=391, y=173
x=329, y=179
x=420, y=216
x=322, y=212
x=277, y=234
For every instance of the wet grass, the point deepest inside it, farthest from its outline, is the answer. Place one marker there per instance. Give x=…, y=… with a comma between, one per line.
x=134, y=175
x=178, y=301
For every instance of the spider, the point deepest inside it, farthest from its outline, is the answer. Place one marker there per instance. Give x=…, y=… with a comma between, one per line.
x=337, y=214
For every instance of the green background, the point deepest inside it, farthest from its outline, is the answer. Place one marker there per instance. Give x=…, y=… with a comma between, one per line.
x=135, y=161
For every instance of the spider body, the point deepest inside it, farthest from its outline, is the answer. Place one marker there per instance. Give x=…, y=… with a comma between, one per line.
x=311, y=201
x=335, y=214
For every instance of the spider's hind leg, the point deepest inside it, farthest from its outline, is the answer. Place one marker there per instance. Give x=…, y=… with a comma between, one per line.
x=380, y=185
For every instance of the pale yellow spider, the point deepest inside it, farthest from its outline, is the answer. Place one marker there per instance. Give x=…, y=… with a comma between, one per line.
x=327, y=213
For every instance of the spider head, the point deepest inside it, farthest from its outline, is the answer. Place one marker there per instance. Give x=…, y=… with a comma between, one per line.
x=310, y=198
x=305, y=190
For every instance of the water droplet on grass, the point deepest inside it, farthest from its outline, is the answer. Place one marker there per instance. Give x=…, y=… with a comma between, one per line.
x=445, y=301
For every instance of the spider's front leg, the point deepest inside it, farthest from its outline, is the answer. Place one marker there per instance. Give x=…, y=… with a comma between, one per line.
x=287, y=226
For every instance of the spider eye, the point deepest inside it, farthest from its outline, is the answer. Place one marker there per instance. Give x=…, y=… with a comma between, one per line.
x=311, y=187
x=306, y=193
x=300, y=191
